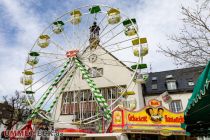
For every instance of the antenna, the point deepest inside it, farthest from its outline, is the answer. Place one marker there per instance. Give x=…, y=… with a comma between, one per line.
x=150, y=68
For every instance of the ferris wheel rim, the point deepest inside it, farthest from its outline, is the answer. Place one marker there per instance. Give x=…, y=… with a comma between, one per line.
x=139, y=60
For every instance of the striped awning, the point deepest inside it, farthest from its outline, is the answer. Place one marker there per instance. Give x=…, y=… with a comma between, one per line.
x=197, y=112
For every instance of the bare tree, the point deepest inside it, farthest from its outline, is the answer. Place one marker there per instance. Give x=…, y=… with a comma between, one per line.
x=194, y=38
x=16, y=110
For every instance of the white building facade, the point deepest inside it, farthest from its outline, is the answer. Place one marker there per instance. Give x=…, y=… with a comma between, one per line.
x=111, y=76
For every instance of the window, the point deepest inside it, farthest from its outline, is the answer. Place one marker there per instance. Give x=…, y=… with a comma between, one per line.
x=100, y=72
x=95, y=72
x=175, y=106
x=169, y=76
x=171, y=85
x=66, y=99
x=191, y=83
x=154, y=78
x=66, y=102
x=154, y=86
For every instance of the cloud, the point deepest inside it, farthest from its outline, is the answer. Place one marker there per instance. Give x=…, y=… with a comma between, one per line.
x=15, y=44
x=22, y=21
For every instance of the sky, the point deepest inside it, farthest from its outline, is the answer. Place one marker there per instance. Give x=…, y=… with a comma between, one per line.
x=22, y=21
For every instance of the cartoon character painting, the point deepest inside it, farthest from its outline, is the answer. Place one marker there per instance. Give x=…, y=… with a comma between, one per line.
x=156, y=115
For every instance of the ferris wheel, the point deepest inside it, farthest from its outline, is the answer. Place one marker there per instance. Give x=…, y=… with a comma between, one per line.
x=78, y=62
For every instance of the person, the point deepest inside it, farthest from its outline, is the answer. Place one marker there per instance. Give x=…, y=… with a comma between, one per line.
x=150, y=112
x=160, y=113
x=94, y=30
x=153, y=116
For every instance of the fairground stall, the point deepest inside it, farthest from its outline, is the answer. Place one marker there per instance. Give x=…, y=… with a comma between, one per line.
x=151, y=122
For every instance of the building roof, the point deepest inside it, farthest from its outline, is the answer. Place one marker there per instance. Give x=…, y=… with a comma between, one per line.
x=181, y=76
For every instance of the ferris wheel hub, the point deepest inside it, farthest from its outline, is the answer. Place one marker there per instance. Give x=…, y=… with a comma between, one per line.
x=72, y=53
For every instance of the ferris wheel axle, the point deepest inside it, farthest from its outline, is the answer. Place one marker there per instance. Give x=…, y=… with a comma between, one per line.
x=72, y=53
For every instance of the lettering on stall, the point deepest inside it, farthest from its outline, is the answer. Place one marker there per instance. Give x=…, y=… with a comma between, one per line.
x=137, y=118
x=179, y=119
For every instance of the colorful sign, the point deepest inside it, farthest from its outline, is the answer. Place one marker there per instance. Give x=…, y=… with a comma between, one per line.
x=166, y=97
x=118, y=117
x=154, y=119
x=154, y=103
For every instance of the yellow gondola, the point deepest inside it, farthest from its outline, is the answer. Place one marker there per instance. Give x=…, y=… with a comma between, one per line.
x=127, y=93
x=131, y=104
x=30, y=99
x=43, y=41
x=141, y=79
x=27, y=79
x=143, y=47
x=75, y=17
x=113, y=16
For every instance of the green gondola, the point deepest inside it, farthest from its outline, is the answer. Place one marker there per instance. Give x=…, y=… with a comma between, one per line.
x=33, y=58
x=58, y=27
x=29, y=92
x=95, y=9
x=130, y=27
x=139, y=66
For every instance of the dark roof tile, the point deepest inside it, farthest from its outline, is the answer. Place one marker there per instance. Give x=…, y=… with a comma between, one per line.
x=182, y=77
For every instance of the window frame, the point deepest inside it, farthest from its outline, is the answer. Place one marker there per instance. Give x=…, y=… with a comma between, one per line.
x=170, y=82
x=175, y=106
x=193, y=83
x=155, y=87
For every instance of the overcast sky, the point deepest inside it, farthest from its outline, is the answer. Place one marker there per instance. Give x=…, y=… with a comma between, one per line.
x=23, y=20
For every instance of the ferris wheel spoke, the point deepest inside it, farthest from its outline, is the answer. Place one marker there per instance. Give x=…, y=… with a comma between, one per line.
x=117, y=43
x=58, y=90
x=77, y=35
x=102, y=35
x=41, y=71
x=117, y=65
x=102, y=59
x=49, y=81
x=66, y=39
x=107, y=52
x=44, y=76
x=38, y=101
x=50, y=53
x=38, y=66
x=64, y=86
x=58, y=46
x=117, y=60
x=115, y=50
x=52, y=57
x=112, y=38
x=48, y=91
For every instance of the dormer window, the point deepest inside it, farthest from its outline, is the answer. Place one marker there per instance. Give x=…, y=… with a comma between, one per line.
x=169, y=76
x=154, y=86
x=191, y=83
x=95, y=72
x=171, y=84
x=154, y=78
